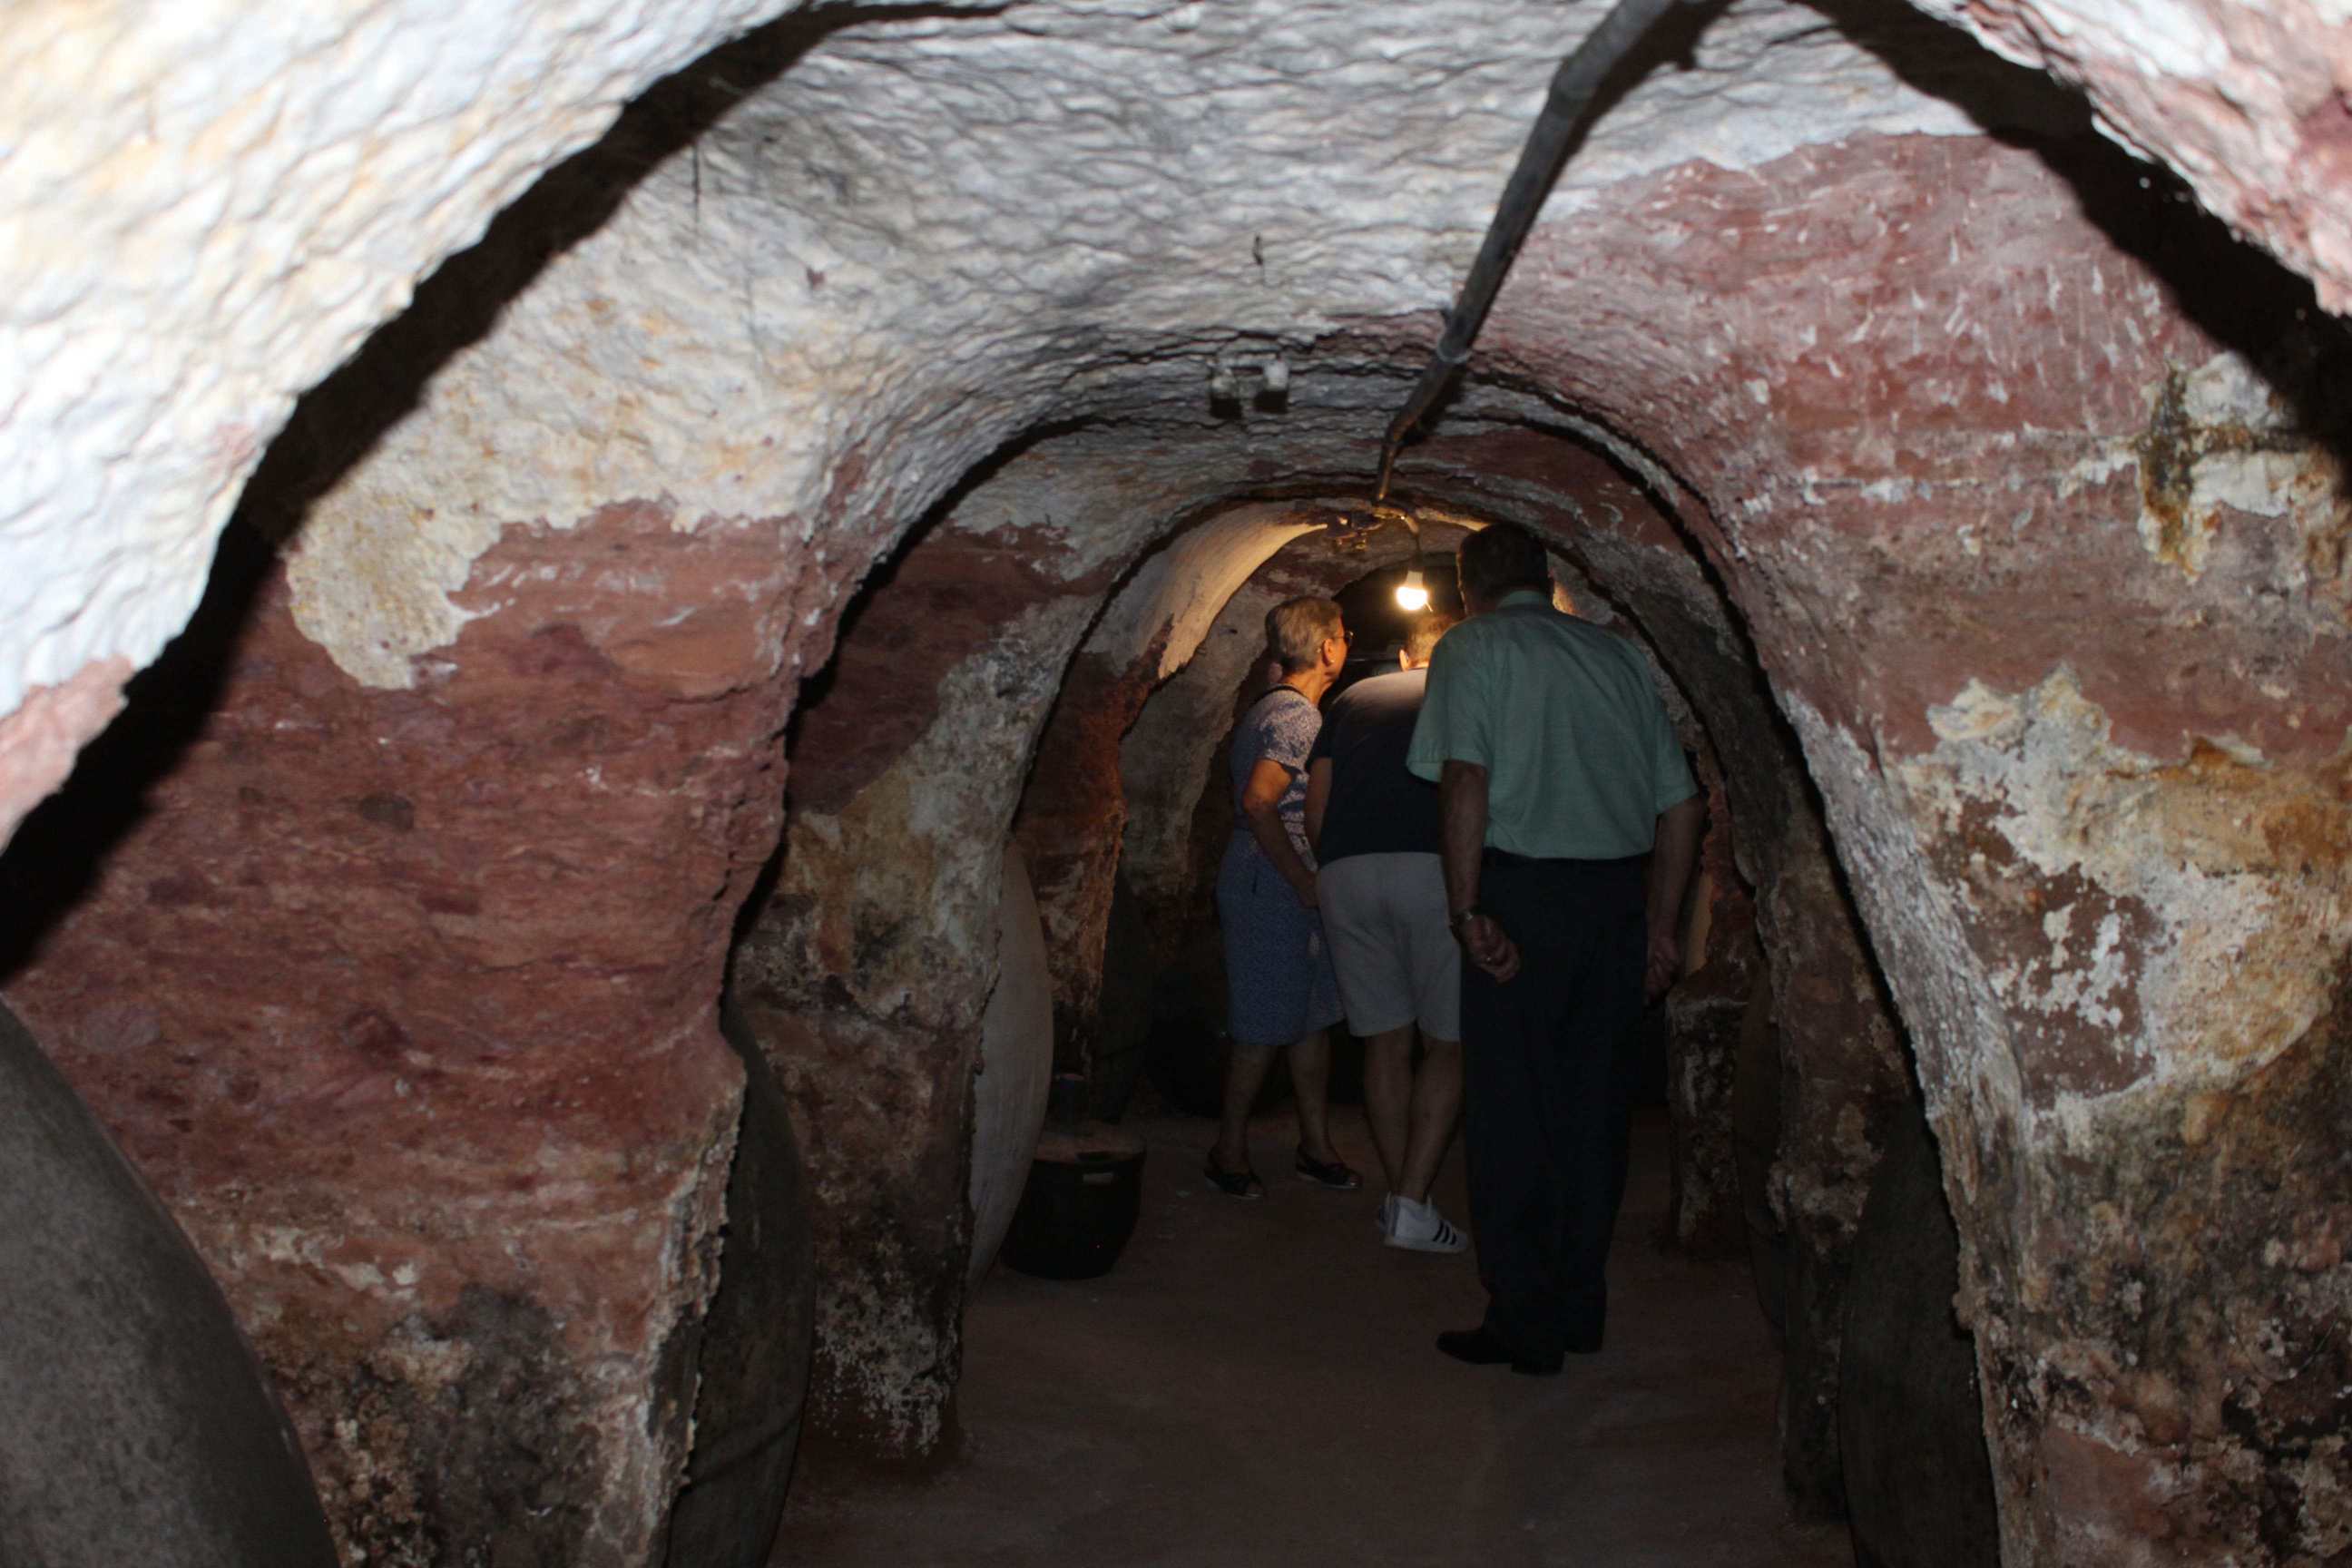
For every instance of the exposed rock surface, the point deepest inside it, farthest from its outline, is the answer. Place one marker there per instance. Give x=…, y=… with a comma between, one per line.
x=2252, y=103
x=1910, y=1414
x=2024, y=827
x=404, y=1001
x=1723, y=972
x=2025, y=487
x=291, y=173
x=865, y=971
x=241, y=144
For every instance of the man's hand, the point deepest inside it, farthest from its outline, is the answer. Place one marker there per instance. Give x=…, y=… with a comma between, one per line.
x=1489, y=946
x=1461, y=837
x=1665, y=961
x=1678, y=830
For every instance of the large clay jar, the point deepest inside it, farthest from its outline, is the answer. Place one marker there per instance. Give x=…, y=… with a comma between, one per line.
x=1910, y=1420
x=754, y=1350
x=136, y=1425
x=1016, y=1068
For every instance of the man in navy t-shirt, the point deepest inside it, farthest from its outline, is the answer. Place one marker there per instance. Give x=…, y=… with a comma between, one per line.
x=1382, y=888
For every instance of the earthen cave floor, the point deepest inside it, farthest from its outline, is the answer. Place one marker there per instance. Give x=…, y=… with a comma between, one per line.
x=1256, y=1383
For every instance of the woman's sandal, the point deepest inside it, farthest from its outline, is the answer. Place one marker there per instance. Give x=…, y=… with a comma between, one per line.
x=1242, y=1183
x=1333, y=1173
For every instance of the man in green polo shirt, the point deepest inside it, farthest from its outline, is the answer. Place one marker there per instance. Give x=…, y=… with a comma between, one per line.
x=1558, y=775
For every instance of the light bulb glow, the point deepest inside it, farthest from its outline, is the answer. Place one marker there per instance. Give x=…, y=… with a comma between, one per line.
x=1413, y=594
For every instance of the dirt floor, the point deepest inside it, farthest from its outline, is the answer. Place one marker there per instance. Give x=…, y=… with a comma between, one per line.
x=1256, y=1383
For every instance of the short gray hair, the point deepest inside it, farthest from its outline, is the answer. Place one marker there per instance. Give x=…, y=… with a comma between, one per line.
x=1295, y=631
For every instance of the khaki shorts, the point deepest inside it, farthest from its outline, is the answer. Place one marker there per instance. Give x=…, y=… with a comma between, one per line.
x=1384, y=916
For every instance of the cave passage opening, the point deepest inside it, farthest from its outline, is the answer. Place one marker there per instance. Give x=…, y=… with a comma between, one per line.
x=1085, y=732
x=1983, y=500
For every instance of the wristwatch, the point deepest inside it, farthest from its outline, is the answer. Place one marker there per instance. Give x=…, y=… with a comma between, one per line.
x=1454, y=921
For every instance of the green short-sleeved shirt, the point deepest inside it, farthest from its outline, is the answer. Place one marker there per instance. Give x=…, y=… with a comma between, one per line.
x=1580, y=755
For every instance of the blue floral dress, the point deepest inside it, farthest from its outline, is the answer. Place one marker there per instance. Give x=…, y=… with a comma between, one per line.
x=1278, y=979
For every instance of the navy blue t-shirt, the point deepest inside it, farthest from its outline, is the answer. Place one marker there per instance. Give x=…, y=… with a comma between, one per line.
x=1376, y=806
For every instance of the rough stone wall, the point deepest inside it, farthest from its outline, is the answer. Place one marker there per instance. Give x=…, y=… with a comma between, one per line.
x=207, y=209
x=404, y=1000
x=304, y=162
x=1723, y=969
x=2026, y=703
x=2153, y=979
x=2250, y=102
x=867, y=969
x=2043, y=573
x=1070, y=825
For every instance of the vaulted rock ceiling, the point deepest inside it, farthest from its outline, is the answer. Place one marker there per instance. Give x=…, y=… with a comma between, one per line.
x=1847, y=351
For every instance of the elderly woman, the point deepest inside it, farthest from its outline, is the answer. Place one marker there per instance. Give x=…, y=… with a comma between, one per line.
x=1277, y=971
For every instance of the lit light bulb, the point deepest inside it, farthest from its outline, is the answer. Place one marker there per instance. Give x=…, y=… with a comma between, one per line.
x=1413, y=594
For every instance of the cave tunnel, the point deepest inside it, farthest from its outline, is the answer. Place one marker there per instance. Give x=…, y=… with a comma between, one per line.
x=523, y=520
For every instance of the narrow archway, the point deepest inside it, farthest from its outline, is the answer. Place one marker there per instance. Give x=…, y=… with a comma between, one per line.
x=2022, y=481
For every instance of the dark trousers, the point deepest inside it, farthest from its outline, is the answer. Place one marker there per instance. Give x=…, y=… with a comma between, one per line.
x=1548, y=1073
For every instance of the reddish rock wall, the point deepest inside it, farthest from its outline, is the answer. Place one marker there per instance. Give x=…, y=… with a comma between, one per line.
x=1070, y=824
x=2028, y=506
x=406, y=1001
x=866, y=970
x=2050, y=581
x=1723, y=969
x=2249, y=100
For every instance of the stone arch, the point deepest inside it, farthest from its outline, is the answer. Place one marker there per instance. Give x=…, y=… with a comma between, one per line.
x=2100, y=873
x=1626, y=559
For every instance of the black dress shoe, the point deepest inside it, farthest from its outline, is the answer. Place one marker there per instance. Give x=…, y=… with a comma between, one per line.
x=1476, y=1346
x=1479, y=1348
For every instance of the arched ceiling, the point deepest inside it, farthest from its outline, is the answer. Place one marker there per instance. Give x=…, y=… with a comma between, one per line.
x=2025, y=482
x=2250, y=102
x=207, y=212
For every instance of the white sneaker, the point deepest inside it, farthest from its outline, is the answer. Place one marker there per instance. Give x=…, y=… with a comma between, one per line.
x=1419, y=1227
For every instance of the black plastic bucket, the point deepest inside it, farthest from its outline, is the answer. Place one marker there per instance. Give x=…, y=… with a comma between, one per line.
x=1079, y=1209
